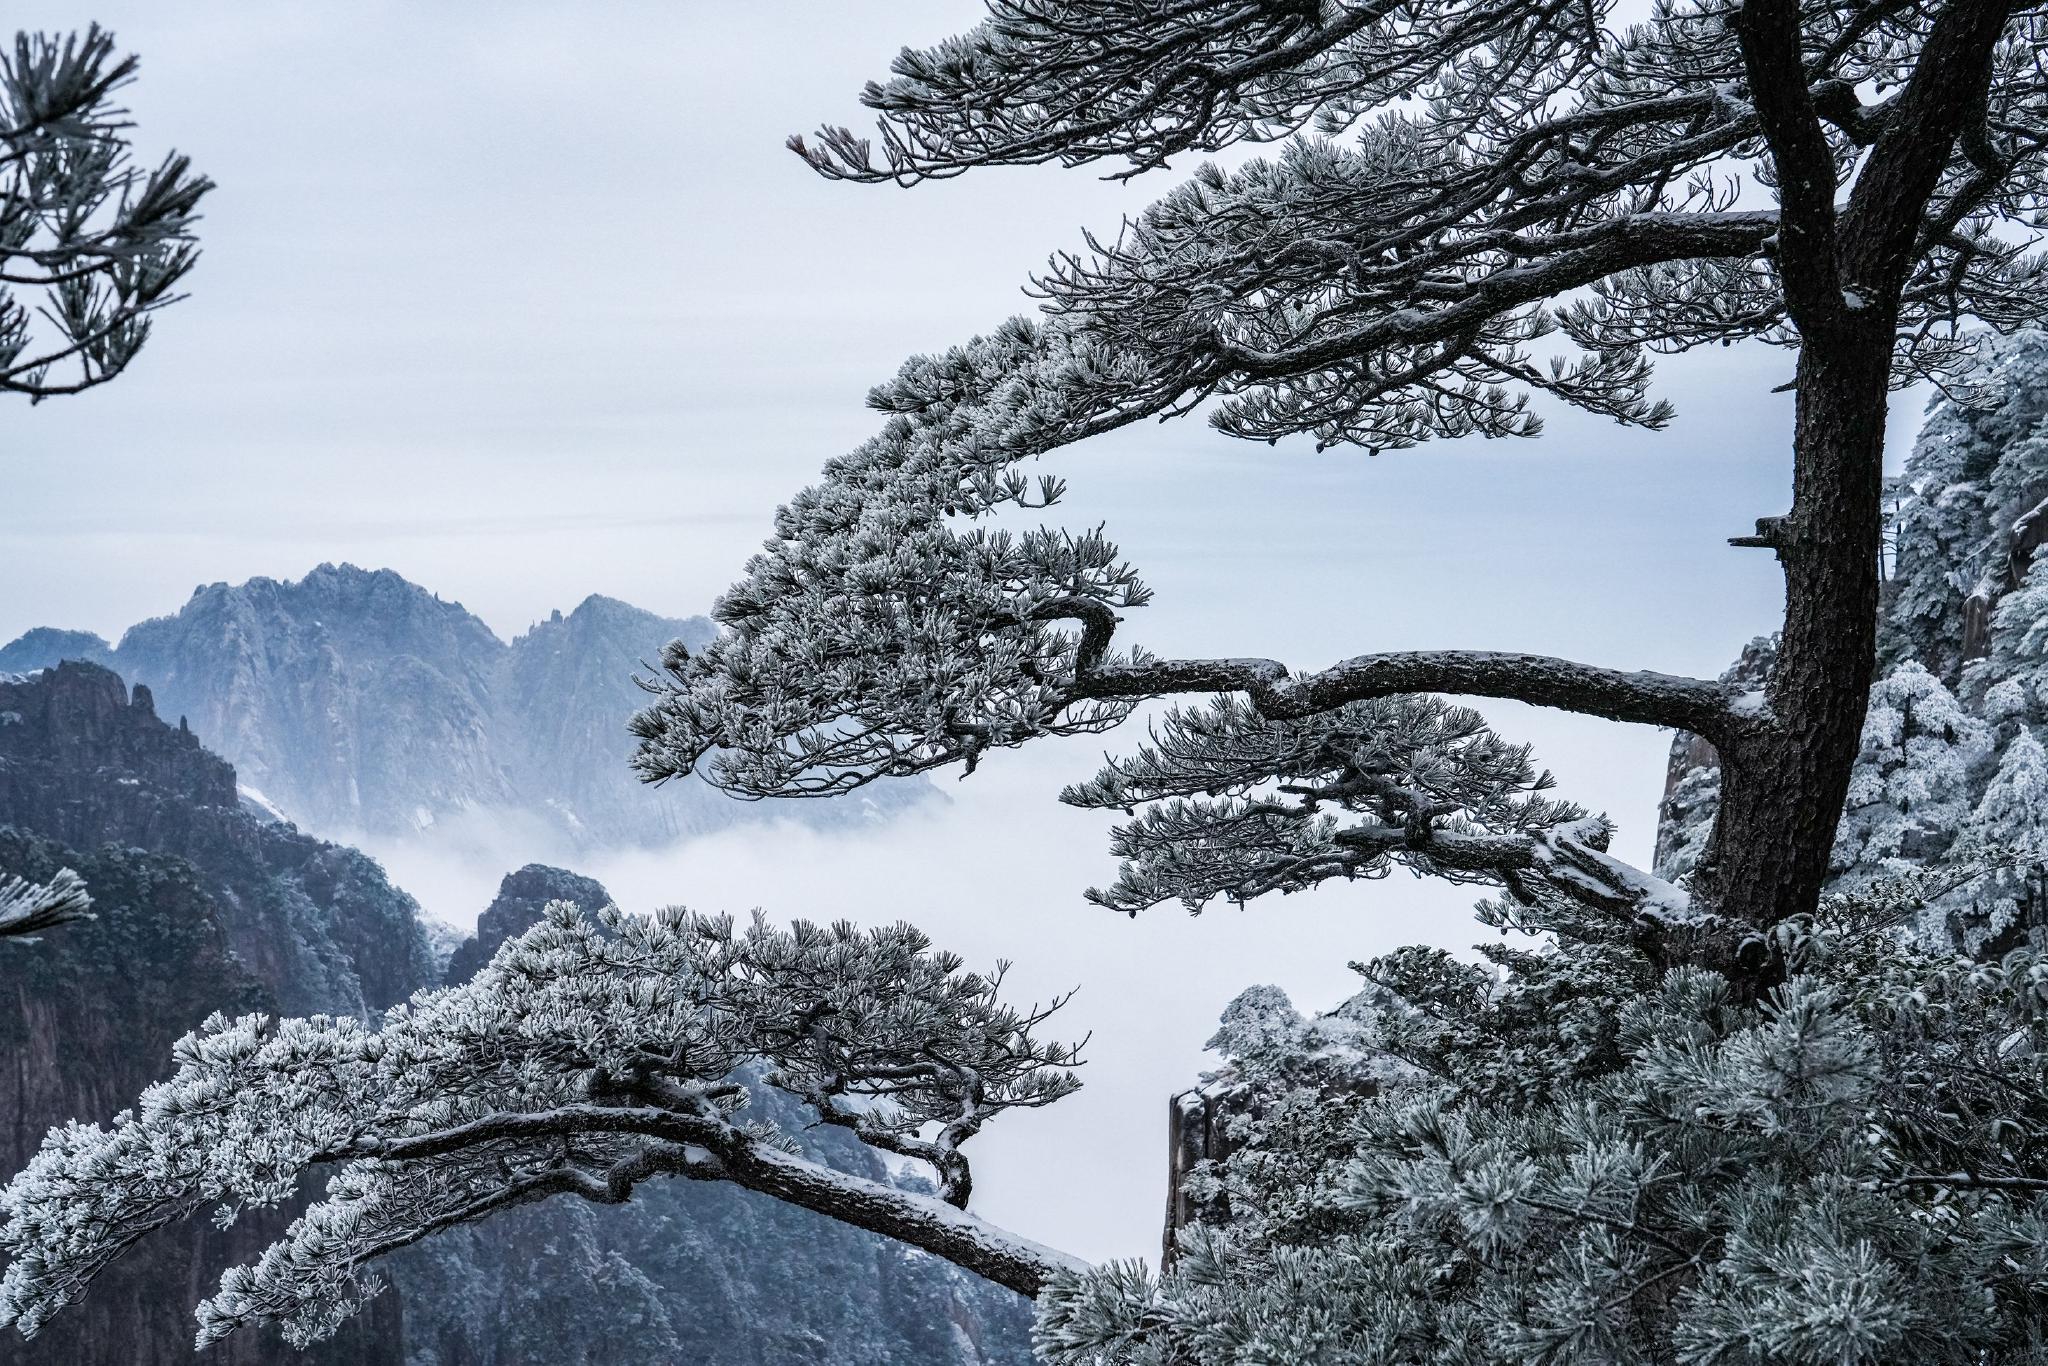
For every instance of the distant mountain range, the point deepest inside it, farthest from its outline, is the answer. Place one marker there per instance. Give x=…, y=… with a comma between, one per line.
x=354, y=702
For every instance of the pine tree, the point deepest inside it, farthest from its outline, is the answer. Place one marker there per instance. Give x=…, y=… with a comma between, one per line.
x=1979, y=464
x=1915, y=778
x=2012, y=816
x=1487, y=182
x=90, y=245
x=1723, y=1121
x=1577, y=1157
x=2016, y=668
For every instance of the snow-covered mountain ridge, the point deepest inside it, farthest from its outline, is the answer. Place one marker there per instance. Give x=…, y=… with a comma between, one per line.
x=358, y=703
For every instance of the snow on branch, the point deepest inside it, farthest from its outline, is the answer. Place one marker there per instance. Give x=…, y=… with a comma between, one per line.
x=29, y=907
x=1230, y=803
x=103, y=243
x=874, y=637
x=586, y=1058
x=1235, y=805
x=1085, y=80
x=1487, y=183
x=1706, y=708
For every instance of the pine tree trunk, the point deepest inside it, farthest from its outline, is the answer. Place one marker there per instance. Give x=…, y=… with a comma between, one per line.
x=1785, y=784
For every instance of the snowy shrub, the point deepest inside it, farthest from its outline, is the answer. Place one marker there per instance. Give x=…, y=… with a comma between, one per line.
x=1570, y=1156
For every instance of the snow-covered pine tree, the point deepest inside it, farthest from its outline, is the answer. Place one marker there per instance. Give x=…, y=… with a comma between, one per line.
x=90, y=244
x=1573, y=1156
x=1916, y=776
x=1484, y=180
x=2007, y=681
x=586, y=1058
x=1977, y=469
x=2007, y=904
x=1715, y=1123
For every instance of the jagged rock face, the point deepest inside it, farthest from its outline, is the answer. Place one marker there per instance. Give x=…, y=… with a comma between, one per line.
x=566, y=692
x=359, y=703
x=352, y=700
x=200, y=907
x=88, y=1015
x=522, y=898
x=83, y=764
x=1197, y=1131
x=1692, y=775
x=204, y=905
x=45, y=646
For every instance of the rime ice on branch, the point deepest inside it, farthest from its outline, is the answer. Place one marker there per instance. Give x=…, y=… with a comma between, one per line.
x=1236, y=805
x=585, y=1059
x=1477, y=202
x=29, y=907
x=95, y=244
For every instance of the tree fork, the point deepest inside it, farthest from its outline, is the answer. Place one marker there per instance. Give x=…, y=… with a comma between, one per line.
x=1783, y=786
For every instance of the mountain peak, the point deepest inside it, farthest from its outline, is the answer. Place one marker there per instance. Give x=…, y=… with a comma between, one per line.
x=79, y=717
x=357, y=701
x=44, y=647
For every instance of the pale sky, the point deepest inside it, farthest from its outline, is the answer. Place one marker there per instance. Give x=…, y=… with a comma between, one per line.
x=527, y=302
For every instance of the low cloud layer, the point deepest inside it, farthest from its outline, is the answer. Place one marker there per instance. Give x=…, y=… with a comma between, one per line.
x=996, y=871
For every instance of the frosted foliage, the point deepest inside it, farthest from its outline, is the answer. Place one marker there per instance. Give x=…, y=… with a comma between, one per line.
x=1913, y=783
x=1573, y=1156
x=2012, y=815
x=1472, y=204
x=27, y=907
x=1979, y=464
x=1235, y=805
x=1258, y=1020
x=587, y=1057
x=2018, y=660
x=90, y=244
x=872, y=637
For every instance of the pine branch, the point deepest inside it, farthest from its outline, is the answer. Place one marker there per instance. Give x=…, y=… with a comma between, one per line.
x=1697, y=705
x=29, y=907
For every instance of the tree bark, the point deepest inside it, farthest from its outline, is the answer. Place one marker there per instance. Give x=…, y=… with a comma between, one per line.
x=922, y=1221
x=1783, y=785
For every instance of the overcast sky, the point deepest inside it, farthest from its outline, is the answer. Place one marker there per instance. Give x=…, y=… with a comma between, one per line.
x=528, y=306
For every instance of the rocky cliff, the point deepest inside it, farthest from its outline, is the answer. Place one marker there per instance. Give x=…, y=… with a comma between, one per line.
x=517, y=908
x=205, y=905
x=201, y=906
x=354, y=702
x=85, y=764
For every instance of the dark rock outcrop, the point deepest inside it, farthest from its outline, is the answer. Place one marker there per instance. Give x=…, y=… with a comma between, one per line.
x=1692, y=773
x=1197, y=1131
x=517, y=908
x=84, y=764
x=200, y=907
